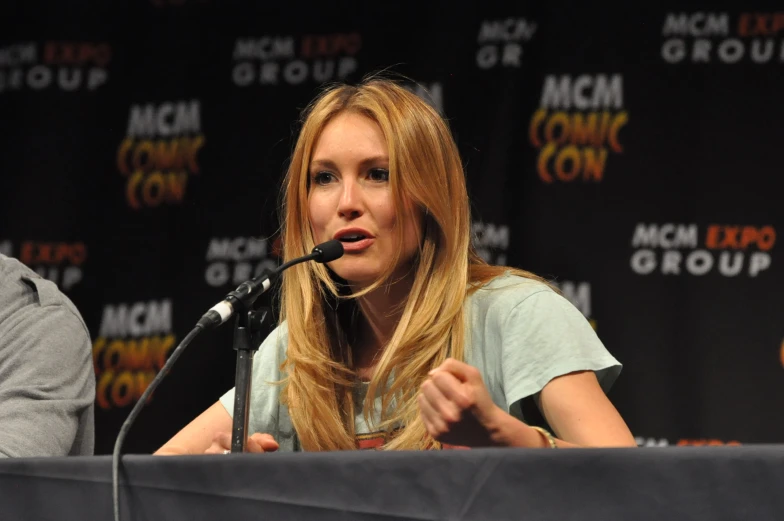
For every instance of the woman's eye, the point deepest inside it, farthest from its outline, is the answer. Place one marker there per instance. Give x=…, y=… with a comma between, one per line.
x=378, y=174
x=322, y=178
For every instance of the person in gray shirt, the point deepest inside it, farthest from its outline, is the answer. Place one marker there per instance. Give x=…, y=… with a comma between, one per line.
x=47, y=381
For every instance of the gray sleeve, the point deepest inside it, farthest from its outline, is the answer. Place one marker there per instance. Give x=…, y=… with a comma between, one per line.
x=544, y=337
x=47, y=382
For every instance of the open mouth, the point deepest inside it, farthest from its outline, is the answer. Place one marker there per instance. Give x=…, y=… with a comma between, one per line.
x=354, y=237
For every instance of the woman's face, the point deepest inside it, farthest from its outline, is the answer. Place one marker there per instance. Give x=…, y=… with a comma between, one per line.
x=350, y=199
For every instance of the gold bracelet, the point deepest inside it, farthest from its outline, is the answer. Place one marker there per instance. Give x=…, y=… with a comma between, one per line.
x=547, y=436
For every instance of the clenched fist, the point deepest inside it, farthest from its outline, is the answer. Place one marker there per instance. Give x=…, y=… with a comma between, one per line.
x=456, y=406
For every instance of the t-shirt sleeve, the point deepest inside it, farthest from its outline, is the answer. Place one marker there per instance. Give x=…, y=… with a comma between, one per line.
x=544, y=336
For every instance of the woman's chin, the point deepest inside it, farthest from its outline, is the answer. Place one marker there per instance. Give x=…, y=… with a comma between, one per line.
x=359, y=281
x=358, y=277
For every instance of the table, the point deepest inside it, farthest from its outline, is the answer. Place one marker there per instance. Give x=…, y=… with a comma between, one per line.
x=661, y=484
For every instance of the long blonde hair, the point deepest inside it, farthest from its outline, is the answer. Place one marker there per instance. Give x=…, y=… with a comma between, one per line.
x=425, y=173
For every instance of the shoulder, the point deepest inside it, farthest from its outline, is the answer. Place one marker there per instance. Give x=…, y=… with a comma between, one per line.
x=528, y=333
x=512, y=303
x=280, y=334
x=18, y=281
x=274, y=346
x=26, y=297
x=506, y=292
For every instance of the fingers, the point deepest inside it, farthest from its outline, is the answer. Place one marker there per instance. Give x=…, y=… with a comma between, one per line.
x=461, y=370
x=452, y=389
x=262, y=443
x=456, y=406
x=257, y=443
x=437, y=395
x=434, y=424
x=442, y=401
x=221, y=441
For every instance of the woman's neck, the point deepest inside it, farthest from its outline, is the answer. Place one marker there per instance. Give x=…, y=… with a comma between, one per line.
x=381, y=311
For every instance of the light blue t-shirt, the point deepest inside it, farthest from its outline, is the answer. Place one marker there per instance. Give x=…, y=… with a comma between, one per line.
x=520, y=335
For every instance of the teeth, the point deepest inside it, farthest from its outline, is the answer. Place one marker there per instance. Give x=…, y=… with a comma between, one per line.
x=352, y=237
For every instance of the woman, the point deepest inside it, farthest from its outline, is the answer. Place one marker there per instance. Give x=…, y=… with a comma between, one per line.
x=408, y=341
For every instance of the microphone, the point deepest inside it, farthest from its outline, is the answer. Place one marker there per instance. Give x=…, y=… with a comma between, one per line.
x=242, y=297
x=247, y=292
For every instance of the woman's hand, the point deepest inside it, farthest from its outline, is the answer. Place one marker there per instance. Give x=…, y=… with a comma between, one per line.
x=258, y=442
x=456, y=406
x=457, y=409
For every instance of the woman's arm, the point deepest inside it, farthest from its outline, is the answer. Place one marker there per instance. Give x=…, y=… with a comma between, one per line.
x=577, y=409
x=210, y=433
x=197, y=436
x=457, y=409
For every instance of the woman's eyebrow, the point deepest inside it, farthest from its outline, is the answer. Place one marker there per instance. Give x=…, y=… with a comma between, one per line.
x=322, y=163
x=328, y=163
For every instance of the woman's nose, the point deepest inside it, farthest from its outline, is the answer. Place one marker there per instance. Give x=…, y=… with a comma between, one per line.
x=351, y=203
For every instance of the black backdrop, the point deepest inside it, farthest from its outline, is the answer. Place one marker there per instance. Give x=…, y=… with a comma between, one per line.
x=630, y=154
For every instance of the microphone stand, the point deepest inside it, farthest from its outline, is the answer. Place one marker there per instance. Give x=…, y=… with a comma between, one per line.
x=248, y=329
x=247, y=338
x=248, y=333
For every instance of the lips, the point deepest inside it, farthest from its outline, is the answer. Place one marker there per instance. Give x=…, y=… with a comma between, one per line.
x=354, y=239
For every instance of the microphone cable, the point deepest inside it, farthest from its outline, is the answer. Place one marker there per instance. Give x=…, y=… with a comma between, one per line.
x=243, y=296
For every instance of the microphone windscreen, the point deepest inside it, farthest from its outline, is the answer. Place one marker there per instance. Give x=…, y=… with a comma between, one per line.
x=328, y=251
